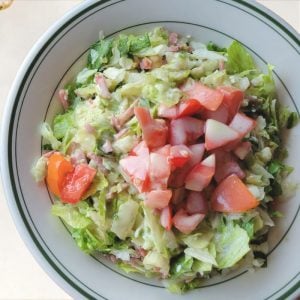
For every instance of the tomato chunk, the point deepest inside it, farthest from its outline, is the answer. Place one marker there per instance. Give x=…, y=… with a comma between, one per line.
x=188, y=108
x=185, y=130
x=242, y=124
x=159, y=170
x=136, y=168
x=76, y=183
x=221, y=114
x=58, y=168
x=168, y=112
x=141, y=149
x=182, y=109
x=187, y=223
x=218, y=134
x=179, y=155
x=196, y=203
x=232, y=196
x=155, y=131
x=178, y=176
x=209, y=98
x=201, y=174
x=232, y=99
x=166, y=218
x=242, y=150
x=226, y=164
x=158, y=199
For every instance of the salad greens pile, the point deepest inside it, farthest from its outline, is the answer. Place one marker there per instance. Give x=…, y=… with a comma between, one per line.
x=98, y=128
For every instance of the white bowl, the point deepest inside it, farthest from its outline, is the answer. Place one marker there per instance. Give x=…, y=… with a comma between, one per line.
x=51, y=63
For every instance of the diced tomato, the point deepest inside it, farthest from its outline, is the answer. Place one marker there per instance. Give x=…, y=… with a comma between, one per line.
x=179, y=156
x=218, y=134
x=178, y=195
x=177, y=177
x=182, y=109
x=209, y=98
x=185, y=130
x=221, y=114
x=226, y=164
x=155, y=132
x=158, y=199
x=165, y=150
x=58, y=168
x=228, y=168
x=137, y=169
x=232, y=196
x=188, y=108
x=232, y=99
x=166, y=218
x=196, y=203
x=242, y=150
x=76, y=183
x=141, y=149
x=242, y=124
x=159, y=170
x=201, y=174
x=187, y=223
x=168, y=112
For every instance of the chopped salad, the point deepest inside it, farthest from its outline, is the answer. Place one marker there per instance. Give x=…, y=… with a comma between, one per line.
x=168, y=157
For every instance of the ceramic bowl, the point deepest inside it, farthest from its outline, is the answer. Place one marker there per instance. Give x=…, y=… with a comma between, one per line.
x=55, y=59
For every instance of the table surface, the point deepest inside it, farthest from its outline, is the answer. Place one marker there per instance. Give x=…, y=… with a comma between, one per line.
x=20, y=276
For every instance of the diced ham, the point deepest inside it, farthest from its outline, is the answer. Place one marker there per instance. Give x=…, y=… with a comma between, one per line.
x=101, y=83
x=63, y=97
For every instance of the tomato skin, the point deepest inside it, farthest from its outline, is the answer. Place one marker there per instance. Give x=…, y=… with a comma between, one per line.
x=155, y=131
x=209, y=98
x=221, y=114
x=186, y=223
x=179, y=156
x=158, y=199
x=178, y=176
x=232, y=196
x=76, y=183
x=226, y=164
x=58, y=168
x=137, y=169
x=196, y=203
x=232, y=99
x=166, y=218
x=188, y=108
x=201, y=174
x=185, y=130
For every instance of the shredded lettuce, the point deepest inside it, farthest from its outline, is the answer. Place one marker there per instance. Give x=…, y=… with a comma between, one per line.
x=239, y=59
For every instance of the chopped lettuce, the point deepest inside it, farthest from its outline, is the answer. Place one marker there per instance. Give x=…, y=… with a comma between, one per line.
x=71, y=215
x=124, y=220
x=39, y=169
x=238, y=59
x=100, y=53
x=62, y=123
x=232, y=243
x=48, y=135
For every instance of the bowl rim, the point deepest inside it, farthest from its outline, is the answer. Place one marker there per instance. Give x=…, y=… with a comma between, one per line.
x=12, y=100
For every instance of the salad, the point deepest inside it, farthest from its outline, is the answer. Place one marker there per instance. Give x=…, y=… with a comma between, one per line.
x=168, y=157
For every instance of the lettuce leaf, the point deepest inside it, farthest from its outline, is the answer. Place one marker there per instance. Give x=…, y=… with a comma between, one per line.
x=100, y=53
x=239, y=59
x=232, y=243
